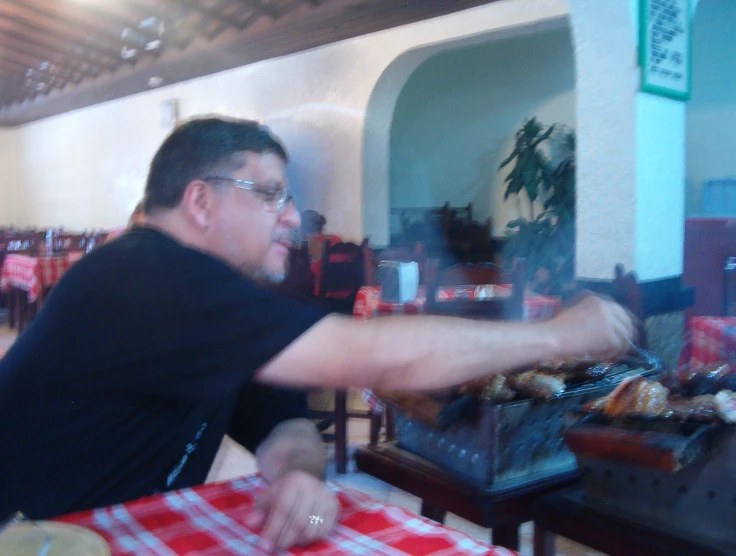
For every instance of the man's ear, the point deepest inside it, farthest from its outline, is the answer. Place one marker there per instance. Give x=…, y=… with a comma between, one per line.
x=198, y=201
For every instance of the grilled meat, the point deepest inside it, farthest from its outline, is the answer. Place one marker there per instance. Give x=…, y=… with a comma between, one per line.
x=537, y=385
x=497, y=390
x=545, y=382
x=578, y=370
x=708, y=379
x=633, y=396
x=699, y=408
x=725, y=402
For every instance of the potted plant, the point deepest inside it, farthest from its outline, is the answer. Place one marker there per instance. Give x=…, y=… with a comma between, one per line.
x=547, y=239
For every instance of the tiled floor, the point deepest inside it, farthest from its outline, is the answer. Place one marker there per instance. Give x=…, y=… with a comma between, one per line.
x=7, y=336
x=244, y=464
x=358, y=435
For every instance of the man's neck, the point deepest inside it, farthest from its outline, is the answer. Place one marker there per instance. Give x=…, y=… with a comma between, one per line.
x=173, y=225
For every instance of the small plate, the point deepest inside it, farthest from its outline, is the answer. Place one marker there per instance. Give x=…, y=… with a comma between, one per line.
x=27, y=539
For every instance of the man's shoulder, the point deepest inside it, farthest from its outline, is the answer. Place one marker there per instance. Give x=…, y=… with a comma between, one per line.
x=147, y=248
x=139, y=259
x=144, y=258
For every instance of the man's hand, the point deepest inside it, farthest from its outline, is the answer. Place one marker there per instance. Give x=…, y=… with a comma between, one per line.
x=594, y=328
x=283, y=512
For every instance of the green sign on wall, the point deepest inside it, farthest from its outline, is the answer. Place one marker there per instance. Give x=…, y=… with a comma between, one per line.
x=665, y=47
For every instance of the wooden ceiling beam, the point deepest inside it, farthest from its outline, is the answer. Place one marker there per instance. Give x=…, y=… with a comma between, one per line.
x=299, y=27
x=11, y=32
x=8, y=91
x=171, y=15
x=79, y=19
x=11, y=83
x=28, y=62
x=8, y=29
x=122, y=14
x=110, y=19
x=12, y=65
x=59, y=31
x=12, y=89
x=57, y=58
x=214, y=15
x=190, y=23
x=56, y=76
x=28, y=49
x=259, y=6
x=77, y=64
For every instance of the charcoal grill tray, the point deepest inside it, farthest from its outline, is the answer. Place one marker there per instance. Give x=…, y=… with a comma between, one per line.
x=699, y=500
x=511, y=443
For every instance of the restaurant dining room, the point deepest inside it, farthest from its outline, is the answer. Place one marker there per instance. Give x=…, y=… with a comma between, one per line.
x=479, y=257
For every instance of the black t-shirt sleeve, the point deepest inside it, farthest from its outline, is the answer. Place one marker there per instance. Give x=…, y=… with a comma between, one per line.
x=154, y=317
x=259, y=409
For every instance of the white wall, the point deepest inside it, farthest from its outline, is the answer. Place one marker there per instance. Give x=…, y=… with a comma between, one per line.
x=711, y=112
x=456, y=118
x=87, y=168
x=10, y=177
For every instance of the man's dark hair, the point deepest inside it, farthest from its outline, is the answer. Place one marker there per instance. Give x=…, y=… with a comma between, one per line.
x=203, y=147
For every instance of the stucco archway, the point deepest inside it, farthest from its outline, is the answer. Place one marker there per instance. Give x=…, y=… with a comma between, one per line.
x=380, y=111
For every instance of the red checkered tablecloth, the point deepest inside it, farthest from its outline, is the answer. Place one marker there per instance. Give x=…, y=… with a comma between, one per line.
x=368, y=302
x=32, y=274
x=368, y=305
x=209, y=521
x=709, y=340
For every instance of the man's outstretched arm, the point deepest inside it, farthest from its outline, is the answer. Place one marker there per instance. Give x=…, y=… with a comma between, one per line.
x=430, y=352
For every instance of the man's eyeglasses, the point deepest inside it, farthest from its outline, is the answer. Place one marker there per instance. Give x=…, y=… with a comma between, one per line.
x=275, y=198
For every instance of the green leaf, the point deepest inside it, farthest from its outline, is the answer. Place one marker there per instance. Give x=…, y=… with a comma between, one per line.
x=508, y=159
x=544, y=135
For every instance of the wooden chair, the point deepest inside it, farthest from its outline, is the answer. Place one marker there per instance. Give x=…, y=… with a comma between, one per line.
x=493, y=308
x=627, y=292
x=298, y=283
x=342, y=275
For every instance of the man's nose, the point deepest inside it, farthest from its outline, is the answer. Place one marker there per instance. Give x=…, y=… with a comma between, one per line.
x=289, y=216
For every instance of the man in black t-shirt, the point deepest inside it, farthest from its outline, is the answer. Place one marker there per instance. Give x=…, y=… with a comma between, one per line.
x=154, y=346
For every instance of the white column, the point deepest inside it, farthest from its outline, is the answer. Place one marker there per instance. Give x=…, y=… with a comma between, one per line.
x=631, y=152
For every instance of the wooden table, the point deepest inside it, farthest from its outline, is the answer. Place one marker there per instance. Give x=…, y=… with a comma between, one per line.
x=566, y=513
x=27, y=279
x=504, y=510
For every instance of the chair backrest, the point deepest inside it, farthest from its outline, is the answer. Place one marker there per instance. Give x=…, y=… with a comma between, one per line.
x=298, y=281
x=316, y=244
x=342, y=270
x=477, y=274
x=492, y=308
x=627, y=292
